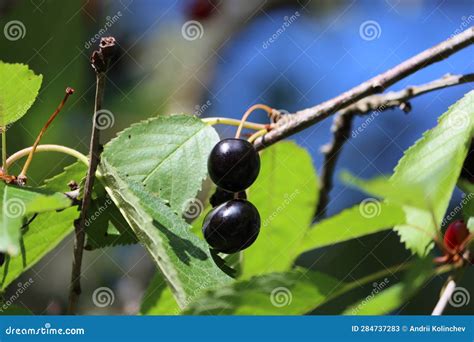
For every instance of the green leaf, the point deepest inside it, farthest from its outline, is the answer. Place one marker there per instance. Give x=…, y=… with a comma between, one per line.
x=403, y=194
x=367, y=218
x=158, y=298
x=167, y=154
x=289, y=293
x=43, y=234
x=382, y=301
x=59, y=183
x=286, y=194
x=181, y=256
x=467, y=202
x=16, y=204
x=435, y=162
x=19, y=88
x=105, y=225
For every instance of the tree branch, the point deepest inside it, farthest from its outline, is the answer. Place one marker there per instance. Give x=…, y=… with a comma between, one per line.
x=100, y=60
x=342, y=124
x=302, y=119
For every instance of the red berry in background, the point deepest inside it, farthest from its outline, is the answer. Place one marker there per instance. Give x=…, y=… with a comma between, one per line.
x=201, y=9
x=455, y=235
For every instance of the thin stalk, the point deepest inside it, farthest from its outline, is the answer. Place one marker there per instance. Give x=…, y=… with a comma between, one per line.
x=4, y=150
x=247, y=114
x=233, y=122
x=22, y=175
x=47, y=148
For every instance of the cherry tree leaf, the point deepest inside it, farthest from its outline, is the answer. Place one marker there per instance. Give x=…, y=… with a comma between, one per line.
x=167, y=154
x=435, y=162
x=286, y=195
x=16, y=204
x=19, y=88
x=42, y=235
x=369, y=217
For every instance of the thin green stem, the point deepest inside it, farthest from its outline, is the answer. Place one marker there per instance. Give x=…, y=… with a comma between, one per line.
x=234, y=122
x=46, y=148
x=4, y=150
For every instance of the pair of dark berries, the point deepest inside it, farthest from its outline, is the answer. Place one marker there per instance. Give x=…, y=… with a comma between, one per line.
x=234, y=223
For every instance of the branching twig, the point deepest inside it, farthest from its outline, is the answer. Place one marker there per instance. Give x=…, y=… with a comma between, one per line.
x=302, y=119
x=343, y=122
x=100, y=60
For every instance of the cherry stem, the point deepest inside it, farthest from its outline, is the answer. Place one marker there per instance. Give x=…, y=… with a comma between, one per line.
x=22, y=175
x=249, y=111
x=4, y=150
x=47, y=148
x=257, y=134
x=233, y=122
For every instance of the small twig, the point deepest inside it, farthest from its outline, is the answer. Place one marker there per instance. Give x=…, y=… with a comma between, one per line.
x=22, y=176
x=444, y=299
x=100, y=60
x=342, y=124
x=307, y=117
x=341, y=128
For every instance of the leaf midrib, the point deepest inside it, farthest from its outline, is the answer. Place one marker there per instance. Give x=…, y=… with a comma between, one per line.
x=171, y=153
